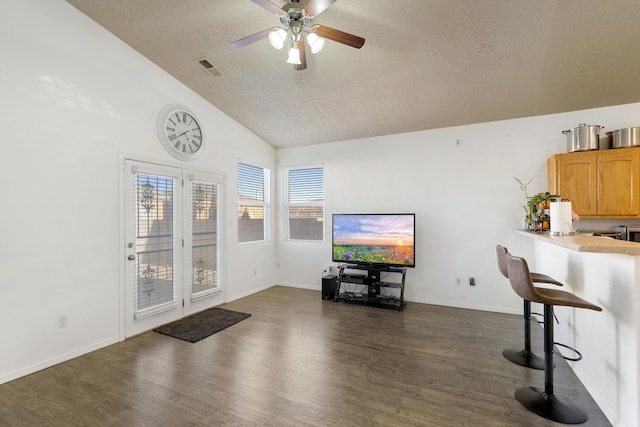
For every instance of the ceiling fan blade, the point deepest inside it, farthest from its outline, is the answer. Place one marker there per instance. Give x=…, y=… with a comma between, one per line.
x=303, y=58
x=252, y=38
x=269, y=6
x=339, y=36
x=316, y=7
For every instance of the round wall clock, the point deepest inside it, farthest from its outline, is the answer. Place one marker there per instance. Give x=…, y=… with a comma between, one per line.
x=180, y=132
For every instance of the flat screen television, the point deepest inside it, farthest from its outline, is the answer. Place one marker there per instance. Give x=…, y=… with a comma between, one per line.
x=376, y=240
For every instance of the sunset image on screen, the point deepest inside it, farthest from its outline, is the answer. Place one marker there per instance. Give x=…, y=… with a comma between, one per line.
x=382, y=239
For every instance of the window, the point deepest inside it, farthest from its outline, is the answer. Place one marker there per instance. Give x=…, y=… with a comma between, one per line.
x=253, y=203
x=305, y=203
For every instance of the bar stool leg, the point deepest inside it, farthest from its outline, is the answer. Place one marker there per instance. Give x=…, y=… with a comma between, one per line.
x=544, y=402
x=525, y=357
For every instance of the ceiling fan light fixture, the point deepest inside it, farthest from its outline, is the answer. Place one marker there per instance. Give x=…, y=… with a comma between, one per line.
x=296, y=26
x=294, y=56
x=277, y=38
x=315, y=42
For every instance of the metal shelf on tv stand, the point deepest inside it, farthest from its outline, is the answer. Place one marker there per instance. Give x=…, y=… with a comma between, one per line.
x=373, y=290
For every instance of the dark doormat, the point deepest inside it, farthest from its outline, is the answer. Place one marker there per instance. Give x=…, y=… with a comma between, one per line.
x=201, y=325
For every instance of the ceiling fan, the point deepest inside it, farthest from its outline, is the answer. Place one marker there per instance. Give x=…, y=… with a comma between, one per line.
x=297, y=25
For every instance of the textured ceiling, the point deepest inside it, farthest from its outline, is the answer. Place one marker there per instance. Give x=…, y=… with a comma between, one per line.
x=426, y=63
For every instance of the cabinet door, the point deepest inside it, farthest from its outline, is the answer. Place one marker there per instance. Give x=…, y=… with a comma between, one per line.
x=576, y=181
x=619, y=183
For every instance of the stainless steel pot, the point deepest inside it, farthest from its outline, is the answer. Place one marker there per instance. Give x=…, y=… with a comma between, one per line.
x=624, y=138
x=583, y=138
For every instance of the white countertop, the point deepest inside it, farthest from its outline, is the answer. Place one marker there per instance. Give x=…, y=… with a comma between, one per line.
x=582, y=243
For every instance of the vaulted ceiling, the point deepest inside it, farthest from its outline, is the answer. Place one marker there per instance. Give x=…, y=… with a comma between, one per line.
x=426, y=63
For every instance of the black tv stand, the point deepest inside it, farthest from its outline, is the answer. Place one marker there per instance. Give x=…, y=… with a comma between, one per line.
x=371, y=287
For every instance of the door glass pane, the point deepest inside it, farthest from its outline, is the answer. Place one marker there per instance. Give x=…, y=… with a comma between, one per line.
x=155, y=229
x=204, y=251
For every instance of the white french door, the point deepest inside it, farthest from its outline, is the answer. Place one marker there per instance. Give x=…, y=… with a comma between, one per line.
x=173, y=243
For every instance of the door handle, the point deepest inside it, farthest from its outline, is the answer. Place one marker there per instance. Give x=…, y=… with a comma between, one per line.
x=131, y=257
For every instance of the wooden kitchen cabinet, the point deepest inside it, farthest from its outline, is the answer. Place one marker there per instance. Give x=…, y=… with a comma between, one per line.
x=600, y=184
x=573, y=176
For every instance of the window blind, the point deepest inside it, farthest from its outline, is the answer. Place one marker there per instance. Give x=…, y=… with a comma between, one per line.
x=305, y=203
x=155, y=241
x=205, y=236
x=252, y=203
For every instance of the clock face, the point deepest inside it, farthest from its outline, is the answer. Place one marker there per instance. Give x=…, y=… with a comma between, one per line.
x=180, y=133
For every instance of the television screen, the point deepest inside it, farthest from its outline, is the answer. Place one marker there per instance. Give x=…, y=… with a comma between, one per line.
x=374, y=239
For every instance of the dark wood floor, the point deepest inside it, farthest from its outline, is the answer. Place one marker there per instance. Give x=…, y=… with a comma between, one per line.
x=301, y=361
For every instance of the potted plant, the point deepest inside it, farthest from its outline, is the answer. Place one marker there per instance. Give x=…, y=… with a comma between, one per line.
x=536, y=207
x=539, y=205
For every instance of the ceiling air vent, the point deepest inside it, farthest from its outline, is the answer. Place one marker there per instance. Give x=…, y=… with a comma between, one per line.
x=209, y=67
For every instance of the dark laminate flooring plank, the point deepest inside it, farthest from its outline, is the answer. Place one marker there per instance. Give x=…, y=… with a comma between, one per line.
x=301, y=361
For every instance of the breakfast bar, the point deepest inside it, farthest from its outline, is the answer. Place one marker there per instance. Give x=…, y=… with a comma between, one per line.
x=606, y=272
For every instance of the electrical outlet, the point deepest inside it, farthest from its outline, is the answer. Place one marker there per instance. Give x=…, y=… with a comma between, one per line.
x=472, y=281
x=62, y=321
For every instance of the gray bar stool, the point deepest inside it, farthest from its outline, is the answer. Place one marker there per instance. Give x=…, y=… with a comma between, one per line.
x=542, y=401
x=524, y=357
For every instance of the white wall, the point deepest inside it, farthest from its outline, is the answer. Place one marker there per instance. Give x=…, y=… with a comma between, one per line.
x=72, y=99
x=464, y=196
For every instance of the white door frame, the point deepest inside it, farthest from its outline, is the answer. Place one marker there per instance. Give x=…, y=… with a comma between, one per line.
x=186, y=304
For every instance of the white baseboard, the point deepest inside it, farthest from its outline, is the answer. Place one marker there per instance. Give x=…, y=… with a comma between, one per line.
x=55, y=360
x=295, y=285
x=599, y=399
x=250, y=292
x=427, y=301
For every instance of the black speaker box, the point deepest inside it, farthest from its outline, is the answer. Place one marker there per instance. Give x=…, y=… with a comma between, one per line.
x=329, y=286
